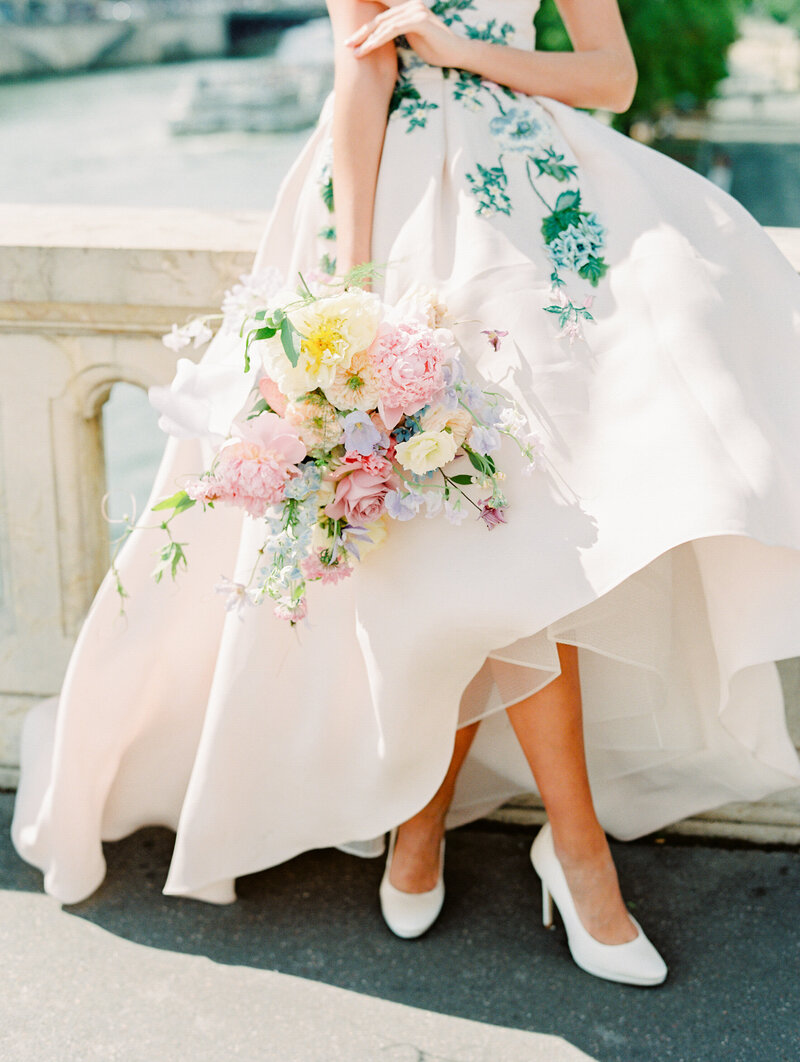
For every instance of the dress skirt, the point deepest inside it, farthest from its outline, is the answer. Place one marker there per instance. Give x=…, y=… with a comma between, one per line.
x=660, y=533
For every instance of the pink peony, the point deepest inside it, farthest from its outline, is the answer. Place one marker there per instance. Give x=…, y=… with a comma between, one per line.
x=251, y=471
x=360, y=496
x=408, y=364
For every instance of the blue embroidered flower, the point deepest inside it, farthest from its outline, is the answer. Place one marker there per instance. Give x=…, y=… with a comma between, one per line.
x=517, y=130
x=577, y=244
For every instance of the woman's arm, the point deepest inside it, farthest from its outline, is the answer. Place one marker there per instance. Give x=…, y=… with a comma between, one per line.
x=601, y=72
x=362, y=91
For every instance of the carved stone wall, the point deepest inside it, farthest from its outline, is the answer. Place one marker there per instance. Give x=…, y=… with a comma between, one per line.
x=85, y=294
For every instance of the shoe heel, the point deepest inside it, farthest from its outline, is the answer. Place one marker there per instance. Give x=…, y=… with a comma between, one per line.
x=547, y=907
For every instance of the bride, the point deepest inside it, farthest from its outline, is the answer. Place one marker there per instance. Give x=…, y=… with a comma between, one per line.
x=612, y=645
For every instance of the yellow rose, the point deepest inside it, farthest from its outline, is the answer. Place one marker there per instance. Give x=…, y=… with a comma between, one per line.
x=427, y=451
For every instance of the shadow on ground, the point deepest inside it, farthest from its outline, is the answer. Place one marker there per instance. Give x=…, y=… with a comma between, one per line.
x=725, y=920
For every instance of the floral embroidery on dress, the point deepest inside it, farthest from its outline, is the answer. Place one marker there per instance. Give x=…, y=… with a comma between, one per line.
x=408, y=101
x=327, y=233
x=574, y=238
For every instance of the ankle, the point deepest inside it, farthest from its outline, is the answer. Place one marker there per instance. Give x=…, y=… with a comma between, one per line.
x=585, y=845
x=431, y=820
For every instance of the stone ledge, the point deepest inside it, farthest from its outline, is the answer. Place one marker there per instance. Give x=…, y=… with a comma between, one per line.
x=53, y=257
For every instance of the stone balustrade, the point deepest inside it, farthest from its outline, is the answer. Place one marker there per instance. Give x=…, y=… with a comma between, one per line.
x=85, y=295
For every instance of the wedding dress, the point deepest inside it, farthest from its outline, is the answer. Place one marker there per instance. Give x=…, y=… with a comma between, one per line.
x=653, y=342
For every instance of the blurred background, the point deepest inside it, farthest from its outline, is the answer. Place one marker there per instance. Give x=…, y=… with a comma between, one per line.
x=204, y=103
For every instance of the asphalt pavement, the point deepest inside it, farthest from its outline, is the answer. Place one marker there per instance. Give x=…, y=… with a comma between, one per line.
x=302, y=969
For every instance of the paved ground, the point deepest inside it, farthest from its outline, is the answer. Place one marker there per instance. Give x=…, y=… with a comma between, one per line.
x=132, y=974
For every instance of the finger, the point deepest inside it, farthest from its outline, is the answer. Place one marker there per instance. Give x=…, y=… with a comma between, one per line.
x=387, y=32
x=360, y=34
x=376, y=40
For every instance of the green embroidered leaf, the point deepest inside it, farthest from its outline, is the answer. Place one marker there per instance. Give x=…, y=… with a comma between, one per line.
x=594, y=270
x=555, y=223
x=326, y=191
x=328, y=233
x=448, y=10
x=552, y=165
x=403, y=90
x=568, y=200
x=553, y=309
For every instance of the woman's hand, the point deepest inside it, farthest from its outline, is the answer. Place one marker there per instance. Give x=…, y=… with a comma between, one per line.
x=431, y=39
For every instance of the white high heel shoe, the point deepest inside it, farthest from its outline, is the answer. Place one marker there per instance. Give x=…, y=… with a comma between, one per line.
x=410, y=914
x=634, y=963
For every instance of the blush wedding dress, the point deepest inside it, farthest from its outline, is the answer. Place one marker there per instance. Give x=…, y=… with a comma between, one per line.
x=654, y=342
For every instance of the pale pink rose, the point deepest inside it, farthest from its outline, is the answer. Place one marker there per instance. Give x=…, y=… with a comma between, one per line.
x=271, y=393
x=408, y=364
x=359, y=498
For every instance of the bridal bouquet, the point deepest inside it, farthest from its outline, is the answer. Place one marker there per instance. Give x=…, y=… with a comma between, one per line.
x=355, y=414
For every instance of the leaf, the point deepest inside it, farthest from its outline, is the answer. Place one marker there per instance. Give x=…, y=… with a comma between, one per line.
x=178, y=558
x=267, y=332
x=461, y=480
x=290, y=340
x=179, y=502
x=594, y=270
x=555, y=223
x=261, y=406
x=568, y=200
x=482, y=462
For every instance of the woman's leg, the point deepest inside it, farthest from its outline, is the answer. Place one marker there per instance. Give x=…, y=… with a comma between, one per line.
x=415, y=864
x=549, y=726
